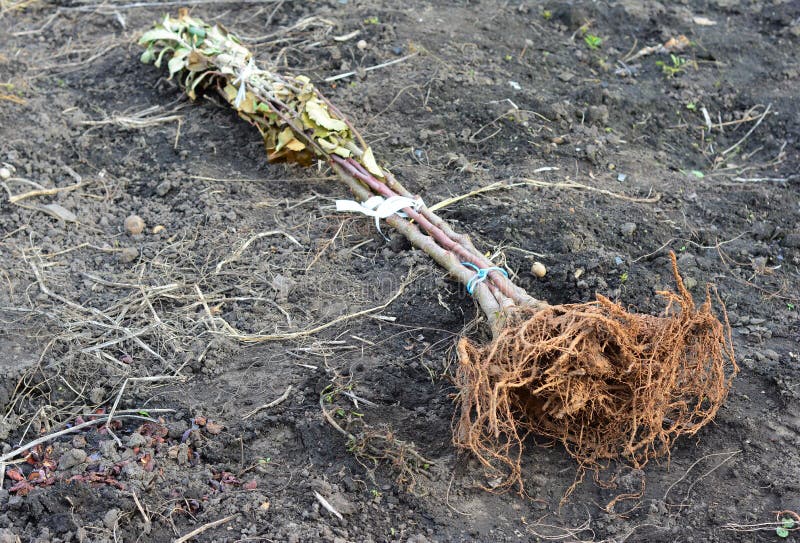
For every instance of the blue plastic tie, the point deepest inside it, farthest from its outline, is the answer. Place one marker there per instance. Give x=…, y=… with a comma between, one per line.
x=480, y=275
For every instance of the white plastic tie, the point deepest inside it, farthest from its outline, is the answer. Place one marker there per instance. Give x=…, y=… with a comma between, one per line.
x=241, y=80
x=380, y=207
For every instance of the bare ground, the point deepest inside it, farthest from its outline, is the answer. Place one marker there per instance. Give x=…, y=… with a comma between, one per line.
x=216, y=302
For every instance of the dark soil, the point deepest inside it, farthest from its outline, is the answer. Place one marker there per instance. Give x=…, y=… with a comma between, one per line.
x=495, y=92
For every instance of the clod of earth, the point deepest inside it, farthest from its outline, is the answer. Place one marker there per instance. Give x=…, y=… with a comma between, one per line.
x=607, y=383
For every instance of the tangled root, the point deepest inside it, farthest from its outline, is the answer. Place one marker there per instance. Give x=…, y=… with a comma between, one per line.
x=606, y=383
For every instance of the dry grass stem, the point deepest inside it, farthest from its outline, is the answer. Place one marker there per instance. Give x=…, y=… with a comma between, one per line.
x=197, y=531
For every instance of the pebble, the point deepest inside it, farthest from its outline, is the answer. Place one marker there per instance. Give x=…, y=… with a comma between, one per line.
x=597, y=114
x=690, y=282
x=128, y=255
x=621, y=177
x=772, y=355
x=628, y=228
x=362, y=44
x=538, y=269
x=110, y=518
x=136, y=440
x=565, y=76
x=78, y=441
x=134, y=224
x=97, y=395
x=163, y=188
x=5, y=173
x=71, y=458
x=397, y=50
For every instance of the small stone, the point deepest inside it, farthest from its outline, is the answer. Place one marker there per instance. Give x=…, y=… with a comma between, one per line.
x=397, y=51
x=772, y=355
x=690, y=282
x=128, y=255
x=136, y=440
x=97, y=395
x=5, y=173
x=134, y=224
x=362, y=44
x=597, y=114
x=110, y=518
x=163, y=188
x=342, y=504
x=538, y=269
x=158, y=228
x=79, y=441
x=628, y=228
x=621, y=177
x=71, y=458
x=565, y=76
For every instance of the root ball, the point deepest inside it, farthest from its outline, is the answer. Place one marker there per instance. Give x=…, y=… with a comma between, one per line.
x=606, y=383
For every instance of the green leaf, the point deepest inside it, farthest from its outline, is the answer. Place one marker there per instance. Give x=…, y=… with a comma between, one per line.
x=175, y=64
x=318, y=113
x=163, y=52
x=698, y=174
x=780, y=531
x=197, y=31
x=158, y=34
x=788, y=523
x=148, y=56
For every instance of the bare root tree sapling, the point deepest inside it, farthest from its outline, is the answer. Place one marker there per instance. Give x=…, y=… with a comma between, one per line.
x=605, y=382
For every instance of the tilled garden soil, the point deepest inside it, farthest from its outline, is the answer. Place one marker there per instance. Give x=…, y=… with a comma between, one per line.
x=248, y=316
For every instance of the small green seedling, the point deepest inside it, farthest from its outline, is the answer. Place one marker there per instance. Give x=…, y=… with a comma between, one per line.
x=372, y=20
x=691, y=106
x=547, y=15
x=592, y=41
x=672, y=68
x=787, y=524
